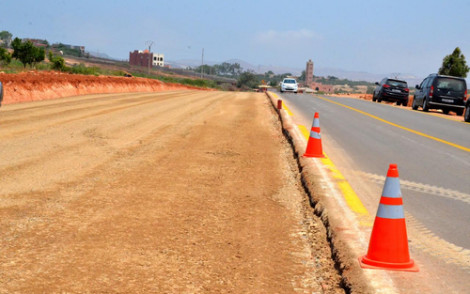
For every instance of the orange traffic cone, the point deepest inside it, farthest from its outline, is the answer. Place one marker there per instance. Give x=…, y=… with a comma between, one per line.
x=314, y=147
x=388, y=246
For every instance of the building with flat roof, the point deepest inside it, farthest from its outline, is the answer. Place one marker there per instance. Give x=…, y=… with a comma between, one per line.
x=158, y=59
x=145, y=58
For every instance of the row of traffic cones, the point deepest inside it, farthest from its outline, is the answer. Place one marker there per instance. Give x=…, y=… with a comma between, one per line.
x=388, y=246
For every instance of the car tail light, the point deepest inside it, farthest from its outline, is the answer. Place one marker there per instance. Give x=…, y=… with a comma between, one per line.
x=386, y=86
x=465, y=96
x=407, y=90
x=431, y=92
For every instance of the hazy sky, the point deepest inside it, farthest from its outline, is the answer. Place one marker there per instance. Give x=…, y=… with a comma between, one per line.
x=377, y=36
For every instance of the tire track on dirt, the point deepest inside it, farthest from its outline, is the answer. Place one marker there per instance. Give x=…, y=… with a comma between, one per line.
x=83, y=141
x=121, y=161
x=49, y=121
x=20, y=112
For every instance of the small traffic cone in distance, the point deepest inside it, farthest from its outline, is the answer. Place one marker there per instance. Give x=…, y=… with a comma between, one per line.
x=314, y=145
x=388, y=246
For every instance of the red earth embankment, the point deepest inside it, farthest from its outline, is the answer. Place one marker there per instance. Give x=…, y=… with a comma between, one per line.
x=35, y=86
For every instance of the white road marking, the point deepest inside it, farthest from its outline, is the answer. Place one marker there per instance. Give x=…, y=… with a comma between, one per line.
x=424, y=188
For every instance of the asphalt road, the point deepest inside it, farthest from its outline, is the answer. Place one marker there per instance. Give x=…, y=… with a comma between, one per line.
x=433, y=157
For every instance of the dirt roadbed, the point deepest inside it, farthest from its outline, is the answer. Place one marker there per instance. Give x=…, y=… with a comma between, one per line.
x=170, y=192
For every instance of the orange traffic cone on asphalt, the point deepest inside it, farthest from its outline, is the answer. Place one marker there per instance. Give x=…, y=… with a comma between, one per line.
x=314, y=146
x=388, y=246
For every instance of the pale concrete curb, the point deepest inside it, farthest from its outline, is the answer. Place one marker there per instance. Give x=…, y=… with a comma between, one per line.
x=347, y=241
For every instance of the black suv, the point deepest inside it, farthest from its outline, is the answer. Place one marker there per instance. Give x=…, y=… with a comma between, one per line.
x=391, y=90
x=441, y=92
x=1, y=93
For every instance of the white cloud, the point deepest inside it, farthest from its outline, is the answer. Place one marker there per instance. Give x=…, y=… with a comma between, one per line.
x=294, y=36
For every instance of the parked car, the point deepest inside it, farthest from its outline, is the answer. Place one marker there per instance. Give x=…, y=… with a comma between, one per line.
x=391, y=90
x=467, y=111
x=289, y=85
x=1, y=94
x=441, y=92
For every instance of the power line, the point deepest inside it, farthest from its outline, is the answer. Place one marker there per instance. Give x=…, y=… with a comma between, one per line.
x=149, y=44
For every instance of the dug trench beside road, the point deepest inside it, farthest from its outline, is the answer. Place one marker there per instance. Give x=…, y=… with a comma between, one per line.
x=170, y=192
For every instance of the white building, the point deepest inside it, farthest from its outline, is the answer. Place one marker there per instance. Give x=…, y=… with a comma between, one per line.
x=158, y=59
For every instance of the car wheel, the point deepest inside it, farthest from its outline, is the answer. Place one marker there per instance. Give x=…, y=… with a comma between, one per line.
x=445, y=111
x=374, y=98
x=425, y=104
x=414, y=106
x=379, y=99
x=467, y=113
x=405, y=103
x=459, y=112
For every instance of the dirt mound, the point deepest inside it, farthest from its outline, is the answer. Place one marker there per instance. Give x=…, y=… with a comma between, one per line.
x=35, y=86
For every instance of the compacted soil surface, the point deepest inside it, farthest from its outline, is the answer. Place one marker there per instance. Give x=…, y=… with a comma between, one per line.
x=169, y=192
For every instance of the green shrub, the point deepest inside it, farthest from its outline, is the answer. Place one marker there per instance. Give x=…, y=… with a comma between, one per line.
x=5, y=56
x=58, y=63
x=83, y=70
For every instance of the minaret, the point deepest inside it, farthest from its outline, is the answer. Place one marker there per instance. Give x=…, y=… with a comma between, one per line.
x=309, y=73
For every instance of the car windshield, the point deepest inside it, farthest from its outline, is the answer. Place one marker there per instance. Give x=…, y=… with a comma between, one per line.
x=289, y=81
x=396, y=83
x=448, y=84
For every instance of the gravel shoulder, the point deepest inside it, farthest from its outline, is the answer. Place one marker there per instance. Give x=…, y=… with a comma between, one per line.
x=170, y=192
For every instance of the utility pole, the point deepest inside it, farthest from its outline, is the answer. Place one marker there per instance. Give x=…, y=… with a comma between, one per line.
x=150, y=44
x=202, y=64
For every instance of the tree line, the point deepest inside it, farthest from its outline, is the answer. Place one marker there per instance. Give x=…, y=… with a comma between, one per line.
x=225, y=69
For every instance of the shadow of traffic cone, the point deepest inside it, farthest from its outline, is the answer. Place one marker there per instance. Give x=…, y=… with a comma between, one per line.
x=388, y=246
x=314, y=147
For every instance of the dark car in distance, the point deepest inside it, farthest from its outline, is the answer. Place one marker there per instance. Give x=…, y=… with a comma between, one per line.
x=1, y=93
x=441, y=92
x=391, y=90
x=466, y=116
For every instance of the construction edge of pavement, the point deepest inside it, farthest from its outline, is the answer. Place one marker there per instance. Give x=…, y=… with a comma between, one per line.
x=346, y=239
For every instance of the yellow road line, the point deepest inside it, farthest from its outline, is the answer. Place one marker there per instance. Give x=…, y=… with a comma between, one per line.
x=398, y=126
x=350, y=196
x=287, y=109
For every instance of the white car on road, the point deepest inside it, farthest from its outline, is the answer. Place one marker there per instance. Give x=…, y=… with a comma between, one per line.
x=289, y=84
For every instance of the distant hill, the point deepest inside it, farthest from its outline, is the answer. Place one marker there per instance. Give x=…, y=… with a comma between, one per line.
x=340, y=73
x=101, y=55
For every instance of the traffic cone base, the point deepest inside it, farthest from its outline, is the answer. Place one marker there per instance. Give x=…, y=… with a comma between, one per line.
x=409, y=266
x=317, y=155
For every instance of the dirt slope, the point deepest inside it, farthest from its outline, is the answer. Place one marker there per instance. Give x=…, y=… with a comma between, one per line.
x=36, y=86
x=175, y=192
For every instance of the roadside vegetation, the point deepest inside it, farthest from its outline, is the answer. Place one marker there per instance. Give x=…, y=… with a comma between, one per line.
x=19, y=55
